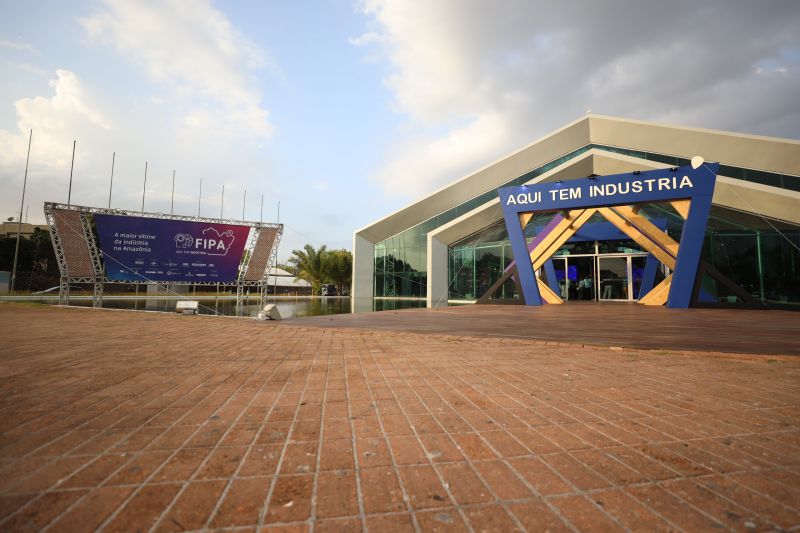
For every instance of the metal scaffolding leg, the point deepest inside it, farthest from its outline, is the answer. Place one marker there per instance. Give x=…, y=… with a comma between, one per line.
x=63, y=291
x=97, y=297
x=239, y=298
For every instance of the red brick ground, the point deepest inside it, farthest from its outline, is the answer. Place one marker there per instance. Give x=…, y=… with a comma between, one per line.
x=126, y=421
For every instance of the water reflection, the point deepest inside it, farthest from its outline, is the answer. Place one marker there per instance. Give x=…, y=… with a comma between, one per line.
x=379, y=304
x=288, y=307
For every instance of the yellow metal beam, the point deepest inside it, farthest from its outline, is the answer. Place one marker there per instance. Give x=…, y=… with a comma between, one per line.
x=547, y=293
x=642, y=240
x=560, y=234
x=524, y=218
x=650, y=230
x=659, y=294
x=682, y=207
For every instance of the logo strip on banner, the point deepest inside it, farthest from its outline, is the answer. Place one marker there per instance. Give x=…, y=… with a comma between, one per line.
x=688, y=189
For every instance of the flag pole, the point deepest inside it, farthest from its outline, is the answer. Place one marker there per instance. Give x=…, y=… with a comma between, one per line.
x=144, y=187
x=19, y=222
x=172, y=200
x=71, y=167
x=111, y=185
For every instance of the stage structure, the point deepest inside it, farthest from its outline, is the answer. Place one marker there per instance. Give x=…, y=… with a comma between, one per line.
x=100, y=246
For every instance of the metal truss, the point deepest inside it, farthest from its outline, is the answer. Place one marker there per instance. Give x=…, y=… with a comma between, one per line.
x=248, y=256
x=262, y=283
x=273, y=260
x=163, y=216
x=63, y=284
x=97, y=262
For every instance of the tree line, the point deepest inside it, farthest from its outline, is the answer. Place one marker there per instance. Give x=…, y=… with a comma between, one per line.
x=37, y=268
x=322, y=266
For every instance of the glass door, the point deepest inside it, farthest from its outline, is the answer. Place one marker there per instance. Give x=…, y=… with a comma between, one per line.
x=637, y=271
x=581, y=272
x=613, y=277
x=560, y=265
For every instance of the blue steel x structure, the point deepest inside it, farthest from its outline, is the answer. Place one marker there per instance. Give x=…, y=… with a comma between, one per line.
x=617, y=198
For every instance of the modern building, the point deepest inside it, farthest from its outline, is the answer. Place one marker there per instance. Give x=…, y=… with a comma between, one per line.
x=9, y=229
x=452, y=245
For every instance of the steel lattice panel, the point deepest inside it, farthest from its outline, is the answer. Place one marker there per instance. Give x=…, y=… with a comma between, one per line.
x=73, y=242
x=262, y=252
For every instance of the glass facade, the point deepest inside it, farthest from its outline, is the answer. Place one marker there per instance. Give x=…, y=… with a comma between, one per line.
x=765, y=250
x=759, y=255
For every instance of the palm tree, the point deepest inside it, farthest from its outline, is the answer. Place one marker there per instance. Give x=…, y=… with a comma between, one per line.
x=340, y=268
x=310, y=265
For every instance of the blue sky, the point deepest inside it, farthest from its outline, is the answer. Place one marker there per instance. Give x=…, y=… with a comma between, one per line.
x=346, y=111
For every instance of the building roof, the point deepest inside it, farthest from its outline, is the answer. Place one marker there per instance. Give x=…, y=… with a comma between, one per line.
x=9, y=229
x=770, y=154
x=285, y=279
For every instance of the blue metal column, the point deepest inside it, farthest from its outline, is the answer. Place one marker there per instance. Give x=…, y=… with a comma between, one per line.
x=527, y=277
x=691, y=246
x=550, y=272
x=648, y=276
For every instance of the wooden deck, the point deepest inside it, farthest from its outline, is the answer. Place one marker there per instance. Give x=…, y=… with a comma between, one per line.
x=605, y=324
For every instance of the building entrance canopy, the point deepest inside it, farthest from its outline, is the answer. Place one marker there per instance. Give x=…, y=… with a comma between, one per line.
x=689, y=189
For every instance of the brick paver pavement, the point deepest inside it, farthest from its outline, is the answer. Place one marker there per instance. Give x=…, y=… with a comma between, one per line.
x=125, y=421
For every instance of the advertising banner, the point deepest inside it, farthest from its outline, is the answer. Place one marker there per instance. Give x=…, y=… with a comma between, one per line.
x=139, y=248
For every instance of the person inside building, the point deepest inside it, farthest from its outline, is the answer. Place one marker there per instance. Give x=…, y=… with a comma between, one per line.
x=585, y=288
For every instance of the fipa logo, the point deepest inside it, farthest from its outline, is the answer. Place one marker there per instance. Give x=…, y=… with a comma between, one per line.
x=183, y=240
x=214, y=242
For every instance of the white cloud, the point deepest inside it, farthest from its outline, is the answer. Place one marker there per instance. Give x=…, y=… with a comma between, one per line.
x=68, y=112
x=18, y=45
x=478, y=79
x=74, y=110
x=193, y=48
x=31, y=69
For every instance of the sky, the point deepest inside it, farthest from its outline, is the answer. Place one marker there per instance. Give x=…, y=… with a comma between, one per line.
x=342, y=112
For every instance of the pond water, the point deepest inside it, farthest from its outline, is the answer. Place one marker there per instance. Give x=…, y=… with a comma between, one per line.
x=288, y=307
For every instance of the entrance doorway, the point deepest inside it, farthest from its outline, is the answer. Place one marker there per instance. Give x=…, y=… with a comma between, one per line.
x=613, y=278
x=599, y=277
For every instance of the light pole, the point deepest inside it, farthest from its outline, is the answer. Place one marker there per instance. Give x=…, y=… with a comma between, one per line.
x=71, y=167
x=144, y=187
x=19, y=221
x=111, y=185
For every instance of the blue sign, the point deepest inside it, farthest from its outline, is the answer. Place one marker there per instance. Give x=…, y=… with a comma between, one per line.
x=152, y=249
x=694, y=183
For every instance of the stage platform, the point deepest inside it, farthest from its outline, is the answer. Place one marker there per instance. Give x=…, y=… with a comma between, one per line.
x=627, y=325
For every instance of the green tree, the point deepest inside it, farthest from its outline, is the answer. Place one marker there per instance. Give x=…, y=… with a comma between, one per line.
x=37, y=268
x=339, y=268
x=310, y=265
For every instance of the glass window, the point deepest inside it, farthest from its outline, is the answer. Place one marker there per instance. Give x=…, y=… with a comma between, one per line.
x=462, y=281
x=488, y=268
x=620, y=246
x=765, y=178
x=759, y=256
x=575, y=248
